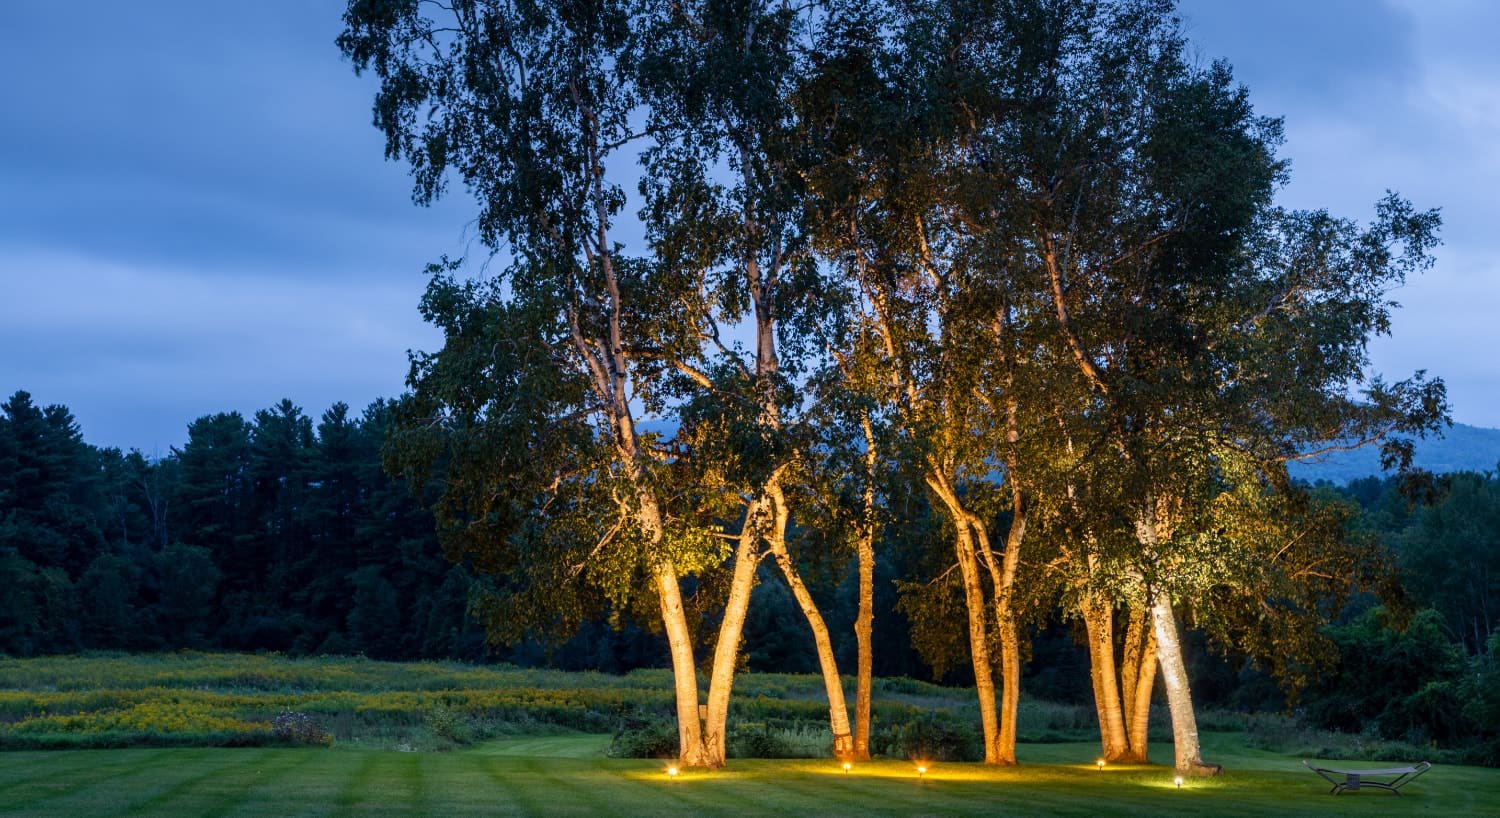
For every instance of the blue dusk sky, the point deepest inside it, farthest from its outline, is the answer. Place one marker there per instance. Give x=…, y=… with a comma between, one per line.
x=195, y=213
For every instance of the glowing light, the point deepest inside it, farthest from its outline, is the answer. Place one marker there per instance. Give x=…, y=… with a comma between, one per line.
x=1178, y=782
x=1100, y=762
x=671, y=772
x=921, y=771
x=847, y=767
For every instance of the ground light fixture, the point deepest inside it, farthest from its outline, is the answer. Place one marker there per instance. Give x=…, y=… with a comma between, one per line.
x=1100, y=762
x=1178, y=782
x=921, y=771
x=671, y=772
x=847, y=767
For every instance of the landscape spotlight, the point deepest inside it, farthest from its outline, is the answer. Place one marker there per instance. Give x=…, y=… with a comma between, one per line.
x=1100, y=762
x=847, y=767
x=671, y=772
x=1178, y=782
x=921, y=771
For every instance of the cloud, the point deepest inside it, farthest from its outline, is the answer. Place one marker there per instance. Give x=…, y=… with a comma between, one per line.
x=1399, y=95
x=1315, y=54
x=195, y=214
x=175, y=132
x=112, y=341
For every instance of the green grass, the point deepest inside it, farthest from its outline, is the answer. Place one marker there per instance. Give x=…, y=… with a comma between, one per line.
x=530, y=742
x=206, y=699
x=568, y=775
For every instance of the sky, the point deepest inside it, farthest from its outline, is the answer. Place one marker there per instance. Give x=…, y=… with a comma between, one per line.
x=196, y=216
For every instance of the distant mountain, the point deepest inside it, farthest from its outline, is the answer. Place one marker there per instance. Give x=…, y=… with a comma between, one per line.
x=1461, y=448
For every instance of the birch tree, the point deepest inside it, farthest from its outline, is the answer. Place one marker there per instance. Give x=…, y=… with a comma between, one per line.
x=532, y=106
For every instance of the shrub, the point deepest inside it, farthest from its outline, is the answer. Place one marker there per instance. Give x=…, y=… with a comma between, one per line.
x=644, y=737
x=780, y=739
x=294, y=727
x=445, y=722
x=933, y=736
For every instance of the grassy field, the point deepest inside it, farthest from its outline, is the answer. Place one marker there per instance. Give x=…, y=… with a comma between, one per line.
x=569, y=775
x=199, y=699
x=193, y=734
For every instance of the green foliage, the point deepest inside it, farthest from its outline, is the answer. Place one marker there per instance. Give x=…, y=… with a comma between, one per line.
x=110, y=585
x=189, y=582
x=375, y=619
x=1449, y=552
x=447, y=723
x=780, y=740
x=1404, y=683
x=293, y=727
x=200, y=698
x=642, y=737
x=268, y=534
x=929, y=737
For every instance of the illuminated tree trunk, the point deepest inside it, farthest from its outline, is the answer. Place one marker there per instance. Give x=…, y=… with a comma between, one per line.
x=1098, y=621
x=838, y=709
x=692, y=752
x=693, y=749
x=1138, y=677
x=864, y=622
x=974, y=603
x=1005, y=625
x=727, y=646
x=864, y=626
x=1005, y=581
x=1186, y=750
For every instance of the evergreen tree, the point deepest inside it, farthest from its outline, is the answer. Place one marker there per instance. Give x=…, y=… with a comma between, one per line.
x=188, y=584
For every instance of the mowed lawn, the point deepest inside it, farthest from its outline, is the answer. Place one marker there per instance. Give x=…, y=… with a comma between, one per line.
x=570, y=776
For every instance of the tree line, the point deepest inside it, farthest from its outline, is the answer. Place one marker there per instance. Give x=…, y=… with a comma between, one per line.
x=1019, y=258
x=101, y=550
x=272, y=533
x=276, y=533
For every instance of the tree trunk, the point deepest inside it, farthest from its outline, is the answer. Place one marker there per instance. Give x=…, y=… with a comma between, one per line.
x=1010, y=690
x=1186, y=750
x=974, y=602
x=1098, y=621
x=1138, y=675
x=692, y=752
x=727, y=647
x=1010, y=639
x=979, y=642
x=863, y=635
x=838, y=709
x=864, y=621
x=1005, y=580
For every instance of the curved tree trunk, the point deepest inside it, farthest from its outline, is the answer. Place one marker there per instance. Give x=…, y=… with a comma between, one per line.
x=1138, y=676
x=979, y=643
x=1186, y=749
x=838, y=709
x=727, y=647
x=974, y=603
x=1098, y=621
x=692, y=752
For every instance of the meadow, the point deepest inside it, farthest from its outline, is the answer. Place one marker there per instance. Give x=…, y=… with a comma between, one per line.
x=195, y=734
